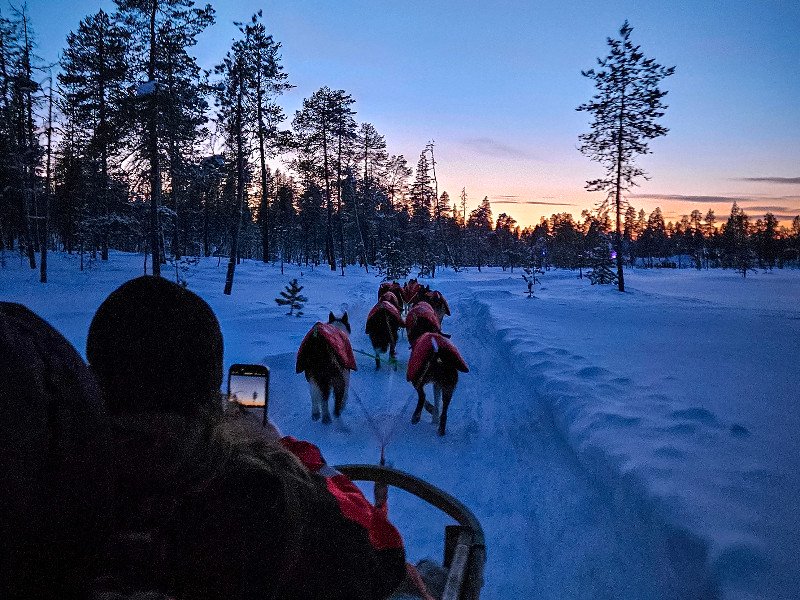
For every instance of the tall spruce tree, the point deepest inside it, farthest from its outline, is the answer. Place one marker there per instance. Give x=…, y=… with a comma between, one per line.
x=231, y=95
x=322, y=125
x=93, y=77
x=265, y=80
x=162, y=31
x=625, y=112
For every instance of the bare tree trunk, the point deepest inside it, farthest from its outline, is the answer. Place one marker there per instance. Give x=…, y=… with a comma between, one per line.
x=239, y=187
x=262, y=155
x=329, y=227
x=152, y=149
x=46, y=222
x=618, y=200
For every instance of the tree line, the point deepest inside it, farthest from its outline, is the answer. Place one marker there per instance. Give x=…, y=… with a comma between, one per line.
x=128, y=143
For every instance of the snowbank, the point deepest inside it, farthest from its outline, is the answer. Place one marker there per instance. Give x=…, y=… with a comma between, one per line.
x=680, y=396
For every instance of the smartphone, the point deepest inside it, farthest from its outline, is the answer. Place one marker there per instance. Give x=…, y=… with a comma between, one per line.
x=248, y=386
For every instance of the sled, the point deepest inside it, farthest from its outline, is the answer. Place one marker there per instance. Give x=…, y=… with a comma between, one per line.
x=464, y=543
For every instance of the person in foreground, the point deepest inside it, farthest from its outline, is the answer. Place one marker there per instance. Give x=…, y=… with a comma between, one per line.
x=56, y=486
x=207, y=504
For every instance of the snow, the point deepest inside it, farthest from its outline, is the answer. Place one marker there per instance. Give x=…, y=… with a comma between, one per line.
x=637, y=445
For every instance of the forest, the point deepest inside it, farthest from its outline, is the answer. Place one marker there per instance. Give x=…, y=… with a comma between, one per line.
x=128, y=144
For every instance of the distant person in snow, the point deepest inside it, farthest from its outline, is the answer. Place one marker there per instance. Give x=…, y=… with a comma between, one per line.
x=208, y=505
x=55, y=486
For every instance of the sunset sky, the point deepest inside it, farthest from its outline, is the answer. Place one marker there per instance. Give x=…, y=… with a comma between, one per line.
x=496, y=84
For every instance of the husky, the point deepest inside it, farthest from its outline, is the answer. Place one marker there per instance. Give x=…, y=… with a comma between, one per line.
x=395, y=289
x=435, y=299
x=383, y=323
x=326, y=356
x=436, y=360
x=392, y=299
x=421, y=319
x=410, y=290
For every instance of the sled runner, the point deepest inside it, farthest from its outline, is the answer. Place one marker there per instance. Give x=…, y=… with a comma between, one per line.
x=333, y=337
x=464, y=544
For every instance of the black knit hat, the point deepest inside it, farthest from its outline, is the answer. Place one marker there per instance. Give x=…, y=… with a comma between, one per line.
x=55, y=493
x=156, y=347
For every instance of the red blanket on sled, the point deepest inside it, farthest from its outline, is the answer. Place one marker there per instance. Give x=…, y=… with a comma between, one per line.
x=333, y=337
x=422, y=311
x=426, y=345
x=382, y=307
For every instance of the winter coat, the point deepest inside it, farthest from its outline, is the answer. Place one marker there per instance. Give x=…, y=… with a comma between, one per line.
x=214, y=511
x=55, y=489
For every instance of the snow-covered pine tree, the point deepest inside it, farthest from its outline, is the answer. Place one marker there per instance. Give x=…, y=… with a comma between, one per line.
x=531, y=279
x=392, y=263
x=601, y=263
x=292, y=298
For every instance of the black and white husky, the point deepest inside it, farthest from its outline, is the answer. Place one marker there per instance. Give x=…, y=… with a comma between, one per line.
x=327, y=358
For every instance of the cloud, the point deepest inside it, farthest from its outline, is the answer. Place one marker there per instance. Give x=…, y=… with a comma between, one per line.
x=779, y=217
x=696, y=199
x=491, y=147
x=766, y=209
x=534, y=202
x=789, y=180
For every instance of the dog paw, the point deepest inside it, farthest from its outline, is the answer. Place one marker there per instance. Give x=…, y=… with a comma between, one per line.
x=326, y=419
x=441, y=431
x=315, y=416
x=415, y=418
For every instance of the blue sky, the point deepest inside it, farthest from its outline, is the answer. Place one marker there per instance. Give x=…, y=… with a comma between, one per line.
x=495, y=85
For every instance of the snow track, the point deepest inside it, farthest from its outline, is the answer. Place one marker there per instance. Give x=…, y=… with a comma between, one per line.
x=551, y=530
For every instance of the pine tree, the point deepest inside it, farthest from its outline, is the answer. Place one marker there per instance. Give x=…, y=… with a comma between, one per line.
x=322, y=125
x=736, y=249
x=94, y=72
x=292, y=298
x=625, y=111
x=231, y=97
x=392, y=262
x=264, y=82
x=166, y=98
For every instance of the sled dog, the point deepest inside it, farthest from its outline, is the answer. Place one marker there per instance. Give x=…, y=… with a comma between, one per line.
x=435, y=299
x=421, y=319
x=436, y=360
x=383, y=323
x=396, y=289
x=326, y=357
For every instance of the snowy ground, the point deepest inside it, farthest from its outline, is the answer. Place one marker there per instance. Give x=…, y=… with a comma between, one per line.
x=638, y=445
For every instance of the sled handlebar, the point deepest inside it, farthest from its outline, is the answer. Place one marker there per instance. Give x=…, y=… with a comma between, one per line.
x=467, y=547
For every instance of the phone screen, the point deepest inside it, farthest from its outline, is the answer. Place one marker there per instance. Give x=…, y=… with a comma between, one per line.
x=248, y=390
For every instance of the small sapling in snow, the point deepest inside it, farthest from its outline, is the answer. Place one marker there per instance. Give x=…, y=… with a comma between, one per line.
x=531, y=279
x=292, y=298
